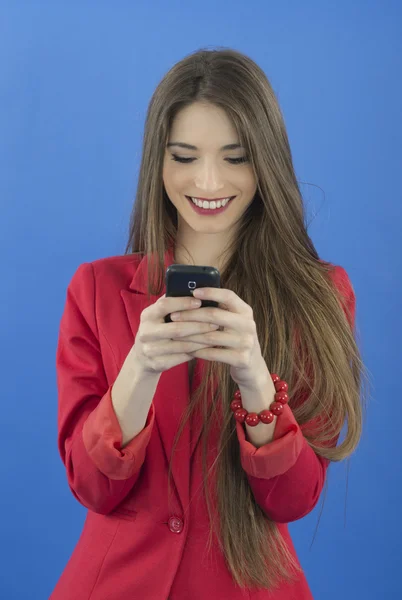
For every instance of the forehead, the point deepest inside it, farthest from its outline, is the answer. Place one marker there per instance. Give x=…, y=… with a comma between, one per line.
x=203, y=124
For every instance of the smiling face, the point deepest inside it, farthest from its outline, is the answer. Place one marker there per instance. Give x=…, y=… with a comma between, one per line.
x=204, y=161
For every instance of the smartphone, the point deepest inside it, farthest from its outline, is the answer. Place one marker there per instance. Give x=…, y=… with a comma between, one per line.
x=182, y=280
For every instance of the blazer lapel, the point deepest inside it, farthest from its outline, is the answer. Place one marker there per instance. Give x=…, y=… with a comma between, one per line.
x=172, y=393
x=196, y=420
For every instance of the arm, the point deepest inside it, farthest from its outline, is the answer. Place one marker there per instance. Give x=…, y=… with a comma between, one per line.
x=100, y=469
x=286, y=475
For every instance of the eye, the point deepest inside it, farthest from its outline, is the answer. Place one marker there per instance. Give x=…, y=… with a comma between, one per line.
x=237, y=161
x=181, y=159
x=232, y=161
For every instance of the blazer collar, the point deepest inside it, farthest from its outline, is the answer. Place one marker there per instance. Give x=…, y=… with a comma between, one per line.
x=139, y=281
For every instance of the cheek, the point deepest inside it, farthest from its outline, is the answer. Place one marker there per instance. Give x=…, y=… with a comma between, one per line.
x=174, y=179
x=247, y=183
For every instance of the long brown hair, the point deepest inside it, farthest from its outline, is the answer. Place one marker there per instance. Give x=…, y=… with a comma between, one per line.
x=288, y=287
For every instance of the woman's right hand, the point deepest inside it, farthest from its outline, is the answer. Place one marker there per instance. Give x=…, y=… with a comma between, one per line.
x=159, y=345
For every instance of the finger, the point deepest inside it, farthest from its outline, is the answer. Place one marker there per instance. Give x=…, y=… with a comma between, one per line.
x=229, y=357
x=220, y=317
x=218, y=338
x=224, y=296
x=163, y=348
x=165, y=305
x=150, y=331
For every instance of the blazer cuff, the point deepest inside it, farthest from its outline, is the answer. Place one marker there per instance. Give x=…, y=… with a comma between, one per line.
x=102, y=437
x=279, y=455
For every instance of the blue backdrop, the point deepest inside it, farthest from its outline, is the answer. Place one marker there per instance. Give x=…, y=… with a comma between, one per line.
x=75, y=84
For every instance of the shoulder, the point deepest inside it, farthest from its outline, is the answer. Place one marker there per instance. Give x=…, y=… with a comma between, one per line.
x=119, y=266
x=344, y=288
x=341, y=280
x=106, y=272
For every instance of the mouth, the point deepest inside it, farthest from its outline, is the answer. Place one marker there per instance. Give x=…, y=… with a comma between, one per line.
x=214, y=207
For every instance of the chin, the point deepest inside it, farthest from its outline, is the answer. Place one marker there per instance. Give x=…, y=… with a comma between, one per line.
x=205, y=228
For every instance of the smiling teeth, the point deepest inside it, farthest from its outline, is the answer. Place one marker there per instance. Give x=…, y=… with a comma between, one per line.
x=210, y=205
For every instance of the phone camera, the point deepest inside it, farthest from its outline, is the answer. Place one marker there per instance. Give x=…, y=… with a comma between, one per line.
x=192, y=285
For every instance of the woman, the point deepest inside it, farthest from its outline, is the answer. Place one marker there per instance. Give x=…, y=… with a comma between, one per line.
x=186, y=498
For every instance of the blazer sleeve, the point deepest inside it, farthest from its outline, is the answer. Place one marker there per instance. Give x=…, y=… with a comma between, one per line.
x=286, y=475
x=100, y=473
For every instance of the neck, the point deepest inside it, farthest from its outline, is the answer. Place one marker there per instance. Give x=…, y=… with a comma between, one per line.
x=204, y=249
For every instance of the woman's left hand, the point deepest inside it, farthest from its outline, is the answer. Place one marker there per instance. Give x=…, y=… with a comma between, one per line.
x=237, y=345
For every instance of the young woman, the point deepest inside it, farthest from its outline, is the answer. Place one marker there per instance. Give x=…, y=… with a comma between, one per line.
x=194, y=442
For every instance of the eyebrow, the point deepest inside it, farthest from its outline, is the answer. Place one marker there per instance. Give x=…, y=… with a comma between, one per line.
x=190, y=147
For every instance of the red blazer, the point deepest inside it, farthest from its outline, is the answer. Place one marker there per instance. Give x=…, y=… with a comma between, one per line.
x=136, y=544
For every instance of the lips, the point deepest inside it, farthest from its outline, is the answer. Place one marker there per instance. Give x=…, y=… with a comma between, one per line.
x=210, y=211
x=211, y=199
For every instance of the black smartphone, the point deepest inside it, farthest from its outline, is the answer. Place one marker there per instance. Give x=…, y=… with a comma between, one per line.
x=182, y=280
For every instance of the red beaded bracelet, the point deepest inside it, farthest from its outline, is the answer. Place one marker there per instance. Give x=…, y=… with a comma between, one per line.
x=265, y=416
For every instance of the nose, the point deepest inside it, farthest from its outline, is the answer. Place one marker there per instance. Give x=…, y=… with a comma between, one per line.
x=208, y=178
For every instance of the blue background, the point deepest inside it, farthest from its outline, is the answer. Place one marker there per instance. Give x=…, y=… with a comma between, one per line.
x=76, y=79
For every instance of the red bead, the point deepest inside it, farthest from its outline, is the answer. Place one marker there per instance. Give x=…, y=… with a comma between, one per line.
x=266, y=416
x=281, y=386
x=275, y=377
x=282, y=397
x=276, y=408
x=237, y=395
x=240, y=415
x=235, y=404
x=252, y=419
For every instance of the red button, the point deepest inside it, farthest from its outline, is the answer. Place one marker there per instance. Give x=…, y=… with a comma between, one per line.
x=175, y=524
